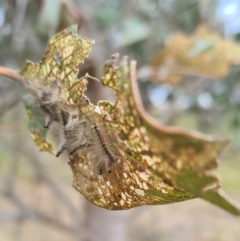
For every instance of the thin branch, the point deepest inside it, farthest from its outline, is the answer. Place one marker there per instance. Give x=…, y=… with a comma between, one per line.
x=25, y=212
x=42, y=217
x=53, y=221
x=11, y=74
x=10, y=192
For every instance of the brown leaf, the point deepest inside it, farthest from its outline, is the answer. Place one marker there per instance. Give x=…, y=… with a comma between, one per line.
x=188, y=156
x=203, y=54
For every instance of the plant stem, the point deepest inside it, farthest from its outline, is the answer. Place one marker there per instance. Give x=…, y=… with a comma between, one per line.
x=11, y=74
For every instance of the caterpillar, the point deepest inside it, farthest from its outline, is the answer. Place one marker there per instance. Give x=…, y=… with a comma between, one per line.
x=43, y=97
x=75, y=131
x=105, y=146
x=47, y=99
x=88, y=137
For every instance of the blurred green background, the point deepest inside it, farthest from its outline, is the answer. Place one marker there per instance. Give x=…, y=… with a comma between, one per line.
x=37, y=201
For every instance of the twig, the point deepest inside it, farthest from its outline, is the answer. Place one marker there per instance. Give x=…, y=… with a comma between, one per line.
x=11, y=74
x=10, y=192
x=53, y=221
x=25, y=212
x=42, y=217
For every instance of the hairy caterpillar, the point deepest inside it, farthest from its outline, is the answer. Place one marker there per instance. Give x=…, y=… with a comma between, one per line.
x=106, y=149
x=47, y=99
x=51, y=100
x=44, y=97
x=88, y=137
x=75, y=131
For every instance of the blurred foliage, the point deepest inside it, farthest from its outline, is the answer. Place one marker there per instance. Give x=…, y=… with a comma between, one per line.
x=202, y=54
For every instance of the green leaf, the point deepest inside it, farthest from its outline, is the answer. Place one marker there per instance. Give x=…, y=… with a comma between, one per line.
x=49, y=17
x=203, y=187
x=106, y=17
x=131, y=31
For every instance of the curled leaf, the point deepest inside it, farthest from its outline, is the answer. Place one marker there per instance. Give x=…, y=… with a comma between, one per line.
x=119, y=156
x=189, y=156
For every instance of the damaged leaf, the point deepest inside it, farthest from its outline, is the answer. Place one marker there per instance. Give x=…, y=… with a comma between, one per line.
x=119, y=156
x=66, y=51
x=202, y=54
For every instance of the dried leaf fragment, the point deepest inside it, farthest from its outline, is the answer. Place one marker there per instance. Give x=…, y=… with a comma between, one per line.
x=203, y=53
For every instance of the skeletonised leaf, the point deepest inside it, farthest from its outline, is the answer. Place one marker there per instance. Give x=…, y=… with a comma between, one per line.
x=124, y=158
x=190, y=156
x=65, y=52
x=132, y=181
x=203, y=53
